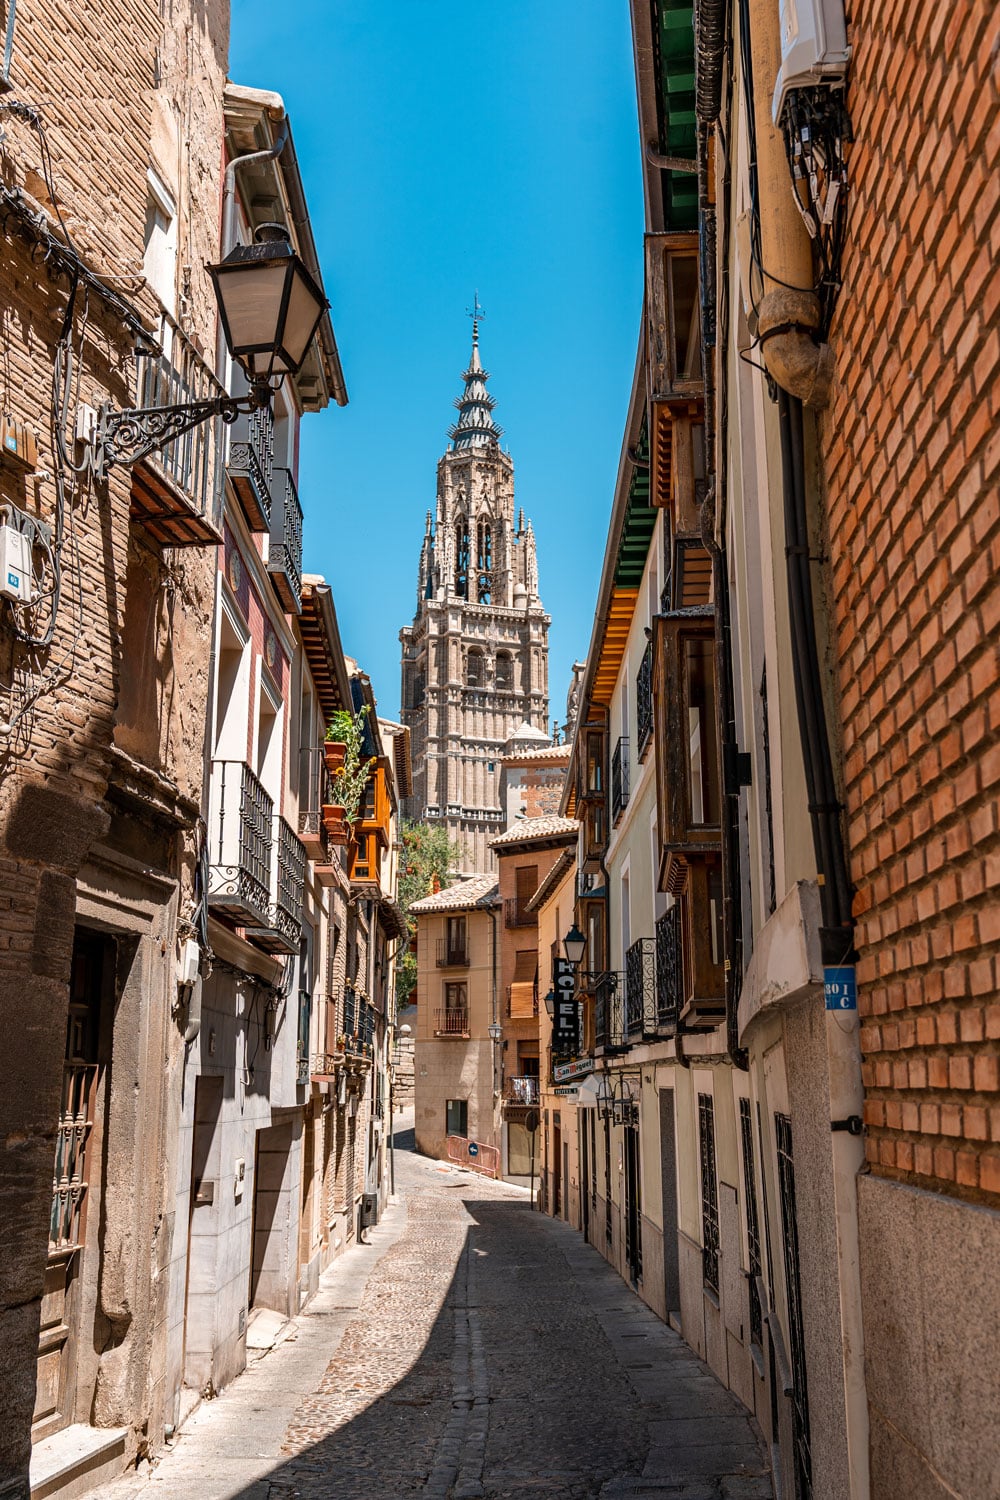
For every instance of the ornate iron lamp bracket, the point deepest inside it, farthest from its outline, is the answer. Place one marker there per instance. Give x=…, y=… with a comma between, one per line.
x=124, y=437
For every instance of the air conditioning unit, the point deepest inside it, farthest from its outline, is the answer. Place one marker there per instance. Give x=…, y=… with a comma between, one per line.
x=814, y=50
x=15, y=565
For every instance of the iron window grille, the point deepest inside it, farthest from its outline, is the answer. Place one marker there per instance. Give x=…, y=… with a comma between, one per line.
x=619, y=778
x=793, y=1286
x=669, y=974
x=709, y=1193
x=640, y=989
x=287, y=911
x=350, y=1010
x=251, y=465
x=194, y=459
x=755, y=1265
x=644, y=700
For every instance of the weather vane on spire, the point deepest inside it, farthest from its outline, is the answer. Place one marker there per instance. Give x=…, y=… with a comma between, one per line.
x=476, y=312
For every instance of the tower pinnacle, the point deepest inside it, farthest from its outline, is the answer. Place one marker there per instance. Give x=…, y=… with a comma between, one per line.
x=475, y=427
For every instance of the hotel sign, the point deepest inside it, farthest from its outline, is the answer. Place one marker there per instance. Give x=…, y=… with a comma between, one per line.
x=566, y=1015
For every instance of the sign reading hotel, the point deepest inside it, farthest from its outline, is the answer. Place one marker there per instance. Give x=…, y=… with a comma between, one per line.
x=566, y=1015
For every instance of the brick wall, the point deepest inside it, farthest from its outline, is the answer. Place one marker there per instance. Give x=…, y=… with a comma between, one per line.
x=912, y=446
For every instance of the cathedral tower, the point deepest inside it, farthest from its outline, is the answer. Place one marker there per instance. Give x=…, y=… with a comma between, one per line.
x=475, y=669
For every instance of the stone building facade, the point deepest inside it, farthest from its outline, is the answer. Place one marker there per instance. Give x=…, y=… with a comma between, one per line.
x=475, y=659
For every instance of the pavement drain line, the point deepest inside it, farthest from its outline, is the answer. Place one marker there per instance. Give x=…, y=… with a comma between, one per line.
x=457, y=1473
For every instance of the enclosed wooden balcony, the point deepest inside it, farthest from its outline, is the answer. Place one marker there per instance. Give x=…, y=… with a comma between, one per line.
x=376, y=811
x=675, y=379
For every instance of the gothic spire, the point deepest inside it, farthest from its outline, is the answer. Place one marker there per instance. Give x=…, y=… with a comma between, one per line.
x=475, y=427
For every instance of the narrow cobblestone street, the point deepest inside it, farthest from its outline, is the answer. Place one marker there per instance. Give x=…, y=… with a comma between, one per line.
x=474, y=1348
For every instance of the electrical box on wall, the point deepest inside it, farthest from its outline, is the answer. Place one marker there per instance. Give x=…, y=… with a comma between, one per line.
x=814, y=48
x=18, y=442
x=15, y=564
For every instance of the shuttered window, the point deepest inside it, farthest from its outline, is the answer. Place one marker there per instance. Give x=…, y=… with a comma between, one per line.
x=523, y=988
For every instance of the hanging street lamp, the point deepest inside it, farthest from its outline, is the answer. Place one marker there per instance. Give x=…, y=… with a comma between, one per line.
x=270, y=308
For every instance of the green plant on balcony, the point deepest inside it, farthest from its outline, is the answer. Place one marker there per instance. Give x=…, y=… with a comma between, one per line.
x=351, y=776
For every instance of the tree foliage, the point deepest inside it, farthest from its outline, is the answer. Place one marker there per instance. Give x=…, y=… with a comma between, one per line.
x=427, y=855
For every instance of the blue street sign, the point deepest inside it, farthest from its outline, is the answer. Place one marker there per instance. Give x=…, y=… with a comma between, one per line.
x=840, y=986
x=473, y=1149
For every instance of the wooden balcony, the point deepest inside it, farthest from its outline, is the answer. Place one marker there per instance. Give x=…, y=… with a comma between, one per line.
x=674, y=375
x=177, y=492
x=376, y=810
x=365, y=863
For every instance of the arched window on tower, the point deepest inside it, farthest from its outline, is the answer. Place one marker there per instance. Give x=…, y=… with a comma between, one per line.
x=505, y=672
x=462, y=558
x=484, y=562
x=475, y=674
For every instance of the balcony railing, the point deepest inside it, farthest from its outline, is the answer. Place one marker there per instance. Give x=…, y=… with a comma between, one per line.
x=302, y=1047
x=452, y=955
x=640, y=989
x=619, y=779
x=281, y=931
x=521, y=1090
x=644, y=700
x=451, y=1023
x=350, y=1010
x=314, y=790
x=177, y=492
x=669, y=976
x=609, y=1029
x=285, y=557
x=515, y=914
x=240, y=844
x=250, y=467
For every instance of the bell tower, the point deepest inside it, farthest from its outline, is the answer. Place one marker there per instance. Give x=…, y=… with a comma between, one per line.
x=475, y=660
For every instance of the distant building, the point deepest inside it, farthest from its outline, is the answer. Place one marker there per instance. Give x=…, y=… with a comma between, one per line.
x=475, y=659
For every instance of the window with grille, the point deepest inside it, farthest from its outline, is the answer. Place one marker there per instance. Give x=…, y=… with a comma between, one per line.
x=753, y=1224
x=709, y=1193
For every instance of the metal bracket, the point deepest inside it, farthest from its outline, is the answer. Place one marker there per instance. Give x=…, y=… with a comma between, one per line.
x=124, y=437
x=854, y=1124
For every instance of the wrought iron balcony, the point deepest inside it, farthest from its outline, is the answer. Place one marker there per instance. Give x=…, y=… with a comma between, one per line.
x=515, y=915
x=250, y=467
x=609, y=1028
x=177, y=491
x=281, y=931
x=521, y=1091
x=314, y=790
x=284, y=561
x=669, y=974
x=644, y=700
x=350, y=1010
x=640, y=989
x=241, y=818
x=451, y=1023
x=452, y=955
x=619, y=779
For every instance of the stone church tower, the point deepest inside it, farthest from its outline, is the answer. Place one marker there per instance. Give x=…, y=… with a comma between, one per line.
x=475, y=668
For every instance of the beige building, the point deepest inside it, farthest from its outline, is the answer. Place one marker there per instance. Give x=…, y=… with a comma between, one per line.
x=456, y=1060
x=475, y=659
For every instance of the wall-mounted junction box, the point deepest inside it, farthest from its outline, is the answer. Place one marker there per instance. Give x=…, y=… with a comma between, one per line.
x=15, y=565
x=814, y=50
x=18, y=442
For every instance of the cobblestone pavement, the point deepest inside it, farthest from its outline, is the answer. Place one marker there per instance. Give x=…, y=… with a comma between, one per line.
x=475, y=1349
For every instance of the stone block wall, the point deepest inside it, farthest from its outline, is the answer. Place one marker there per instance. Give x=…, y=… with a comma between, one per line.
x=912, y=449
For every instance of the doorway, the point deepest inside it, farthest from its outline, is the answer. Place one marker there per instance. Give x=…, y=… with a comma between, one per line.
x=556, y=1167
x=583, y=1118
x=202, y=1233
x=273, y=1204
x=633, y=1206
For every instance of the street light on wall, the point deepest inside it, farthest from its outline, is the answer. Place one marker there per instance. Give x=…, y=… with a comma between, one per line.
x=494, y=1031
x=550, y=1004
x=270, y=308
x=574, y=946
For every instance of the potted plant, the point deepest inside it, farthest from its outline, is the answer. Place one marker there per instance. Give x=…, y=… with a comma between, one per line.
x=335, y=745
x=348, y=730
x=335, y=823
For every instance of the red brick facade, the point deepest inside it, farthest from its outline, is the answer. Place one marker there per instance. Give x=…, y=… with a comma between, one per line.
x=912, y=445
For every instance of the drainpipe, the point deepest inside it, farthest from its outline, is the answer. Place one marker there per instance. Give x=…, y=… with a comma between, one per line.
x=788, y=314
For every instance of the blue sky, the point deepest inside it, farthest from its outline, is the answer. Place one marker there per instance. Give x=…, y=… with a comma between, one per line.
x=447, y=147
